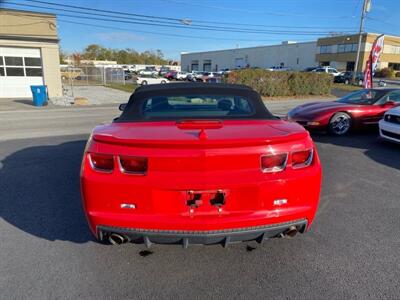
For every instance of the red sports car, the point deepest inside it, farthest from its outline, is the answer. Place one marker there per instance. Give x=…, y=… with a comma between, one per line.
x=357, y=109
x=199, y=163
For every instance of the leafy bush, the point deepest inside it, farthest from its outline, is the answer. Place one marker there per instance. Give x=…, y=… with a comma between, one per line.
x=385, y=73
x=277, y=83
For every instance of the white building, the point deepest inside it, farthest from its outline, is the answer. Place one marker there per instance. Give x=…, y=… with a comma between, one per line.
x=296, y=56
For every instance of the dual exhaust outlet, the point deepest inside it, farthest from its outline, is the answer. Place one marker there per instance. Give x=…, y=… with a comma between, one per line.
x=290, y=232
x=119, y=239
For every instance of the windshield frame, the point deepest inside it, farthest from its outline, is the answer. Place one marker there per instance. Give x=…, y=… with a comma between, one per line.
x=378, y=95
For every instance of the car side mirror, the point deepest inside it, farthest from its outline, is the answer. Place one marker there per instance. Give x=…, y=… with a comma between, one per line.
x=122, y=106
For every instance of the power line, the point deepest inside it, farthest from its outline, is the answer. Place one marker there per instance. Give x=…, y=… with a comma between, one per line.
x=162, y=24
x=260, y=12
x=176, y=19
x=164, y=34
x=173, y=25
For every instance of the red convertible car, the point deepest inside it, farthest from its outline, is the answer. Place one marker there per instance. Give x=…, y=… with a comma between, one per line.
x=357, y=109
x=198, y=163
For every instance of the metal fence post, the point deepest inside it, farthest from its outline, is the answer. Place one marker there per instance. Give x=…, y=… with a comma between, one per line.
x=87, y=76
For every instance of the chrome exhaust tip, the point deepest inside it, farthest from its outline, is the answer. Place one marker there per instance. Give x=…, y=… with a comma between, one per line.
x=291, y=231
x=117, y=239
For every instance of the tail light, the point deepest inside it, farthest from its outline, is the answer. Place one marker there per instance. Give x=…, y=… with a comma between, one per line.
x=301, y=159
x=274, y=162
x=277, y=162
x=101, y=162
x=133, y=164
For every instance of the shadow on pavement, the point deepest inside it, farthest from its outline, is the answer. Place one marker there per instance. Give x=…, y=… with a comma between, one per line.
x=379, y=150
x=28, y=102
x=40, y=193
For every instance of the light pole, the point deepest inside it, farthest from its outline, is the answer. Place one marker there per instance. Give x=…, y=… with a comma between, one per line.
x=365, y=8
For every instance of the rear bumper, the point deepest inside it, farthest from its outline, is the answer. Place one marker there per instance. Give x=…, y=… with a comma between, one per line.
x=188, y=237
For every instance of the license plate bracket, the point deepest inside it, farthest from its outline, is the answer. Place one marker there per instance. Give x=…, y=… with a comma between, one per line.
x=212, y=197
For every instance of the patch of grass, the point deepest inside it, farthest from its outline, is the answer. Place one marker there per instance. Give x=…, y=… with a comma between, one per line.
x=128, y=87
x=346, y=87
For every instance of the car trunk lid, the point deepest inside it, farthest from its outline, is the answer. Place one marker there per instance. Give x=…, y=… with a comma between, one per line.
x=198, y=133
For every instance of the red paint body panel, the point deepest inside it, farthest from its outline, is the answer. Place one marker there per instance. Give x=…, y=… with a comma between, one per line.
x=322, y=112
x=228, y=159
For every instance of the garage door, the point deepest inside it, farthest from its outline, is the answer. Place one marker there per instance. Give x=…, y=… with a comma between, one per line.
x=19, y=69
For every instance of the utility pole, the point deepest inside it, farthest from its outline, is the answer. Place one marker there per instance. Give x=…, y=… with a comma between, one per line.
x=365, y=8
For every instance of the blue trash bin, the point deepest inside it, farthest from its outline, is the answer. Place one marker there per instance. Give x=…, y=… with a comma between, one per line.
x=39, y=94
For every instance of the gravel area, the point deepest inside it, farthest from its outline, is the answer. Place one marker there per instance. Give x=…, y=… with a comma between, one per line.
x=96, y=95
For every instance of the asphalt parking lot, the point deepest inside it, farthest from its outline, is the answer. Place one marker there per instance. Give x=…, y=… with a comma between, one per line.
x=47, y=252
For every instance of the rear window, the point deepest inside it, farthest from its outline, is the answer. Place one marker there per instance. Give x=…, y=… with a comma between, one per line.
x=196, y=106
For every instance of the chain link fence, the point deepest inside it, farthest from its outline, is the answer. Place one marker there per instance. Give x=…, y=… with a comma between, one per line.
x=91, y=76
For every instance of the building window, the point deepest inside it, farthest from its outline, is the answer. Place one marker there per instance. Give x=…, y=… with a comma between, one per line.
x=207, y=65
x=33, y=61
x=33, y=66
x=1, y=66
x=394, y=49
x=13, y=61
x=33, y=72
x=195, y=67
x=325, y=49
x=20, y=66
x=342, y=48
x=15, y=71
x=239, y=62
x=394, y=66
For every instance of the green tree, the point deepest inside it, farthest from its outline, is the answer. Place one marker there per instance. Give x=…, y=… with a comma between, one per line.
x=123, y=56
x=63, y=57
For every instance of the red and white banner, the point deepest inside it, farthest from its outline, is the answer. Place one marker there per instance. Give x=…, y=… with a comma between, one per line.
x=370, y=67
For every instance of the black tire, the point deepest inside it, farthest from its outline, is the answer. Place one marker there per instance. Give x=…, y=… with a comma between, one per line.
x=144, y=82
x=163, y=81
x=340, y=124
x=346, y=81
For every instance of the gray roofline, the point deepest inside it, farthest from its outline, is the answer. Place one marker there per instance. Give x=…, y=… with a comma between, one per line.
x=230, y=49
x=29, y=39
x=28, y=11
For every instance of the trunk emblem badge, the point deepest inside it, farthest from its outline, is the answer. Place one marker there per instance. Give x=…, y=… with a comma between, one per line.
x=128, y=206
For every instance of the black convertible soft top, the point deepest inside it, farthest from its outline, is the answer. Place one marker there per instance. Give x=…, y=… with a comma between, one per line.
x=132, y=111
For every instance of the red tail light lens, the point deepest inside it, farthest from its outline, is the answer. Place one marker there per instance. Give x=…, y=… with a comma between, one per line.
x=133, y=165
x=101, y=162
x=274, y=162
x=301, y=159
